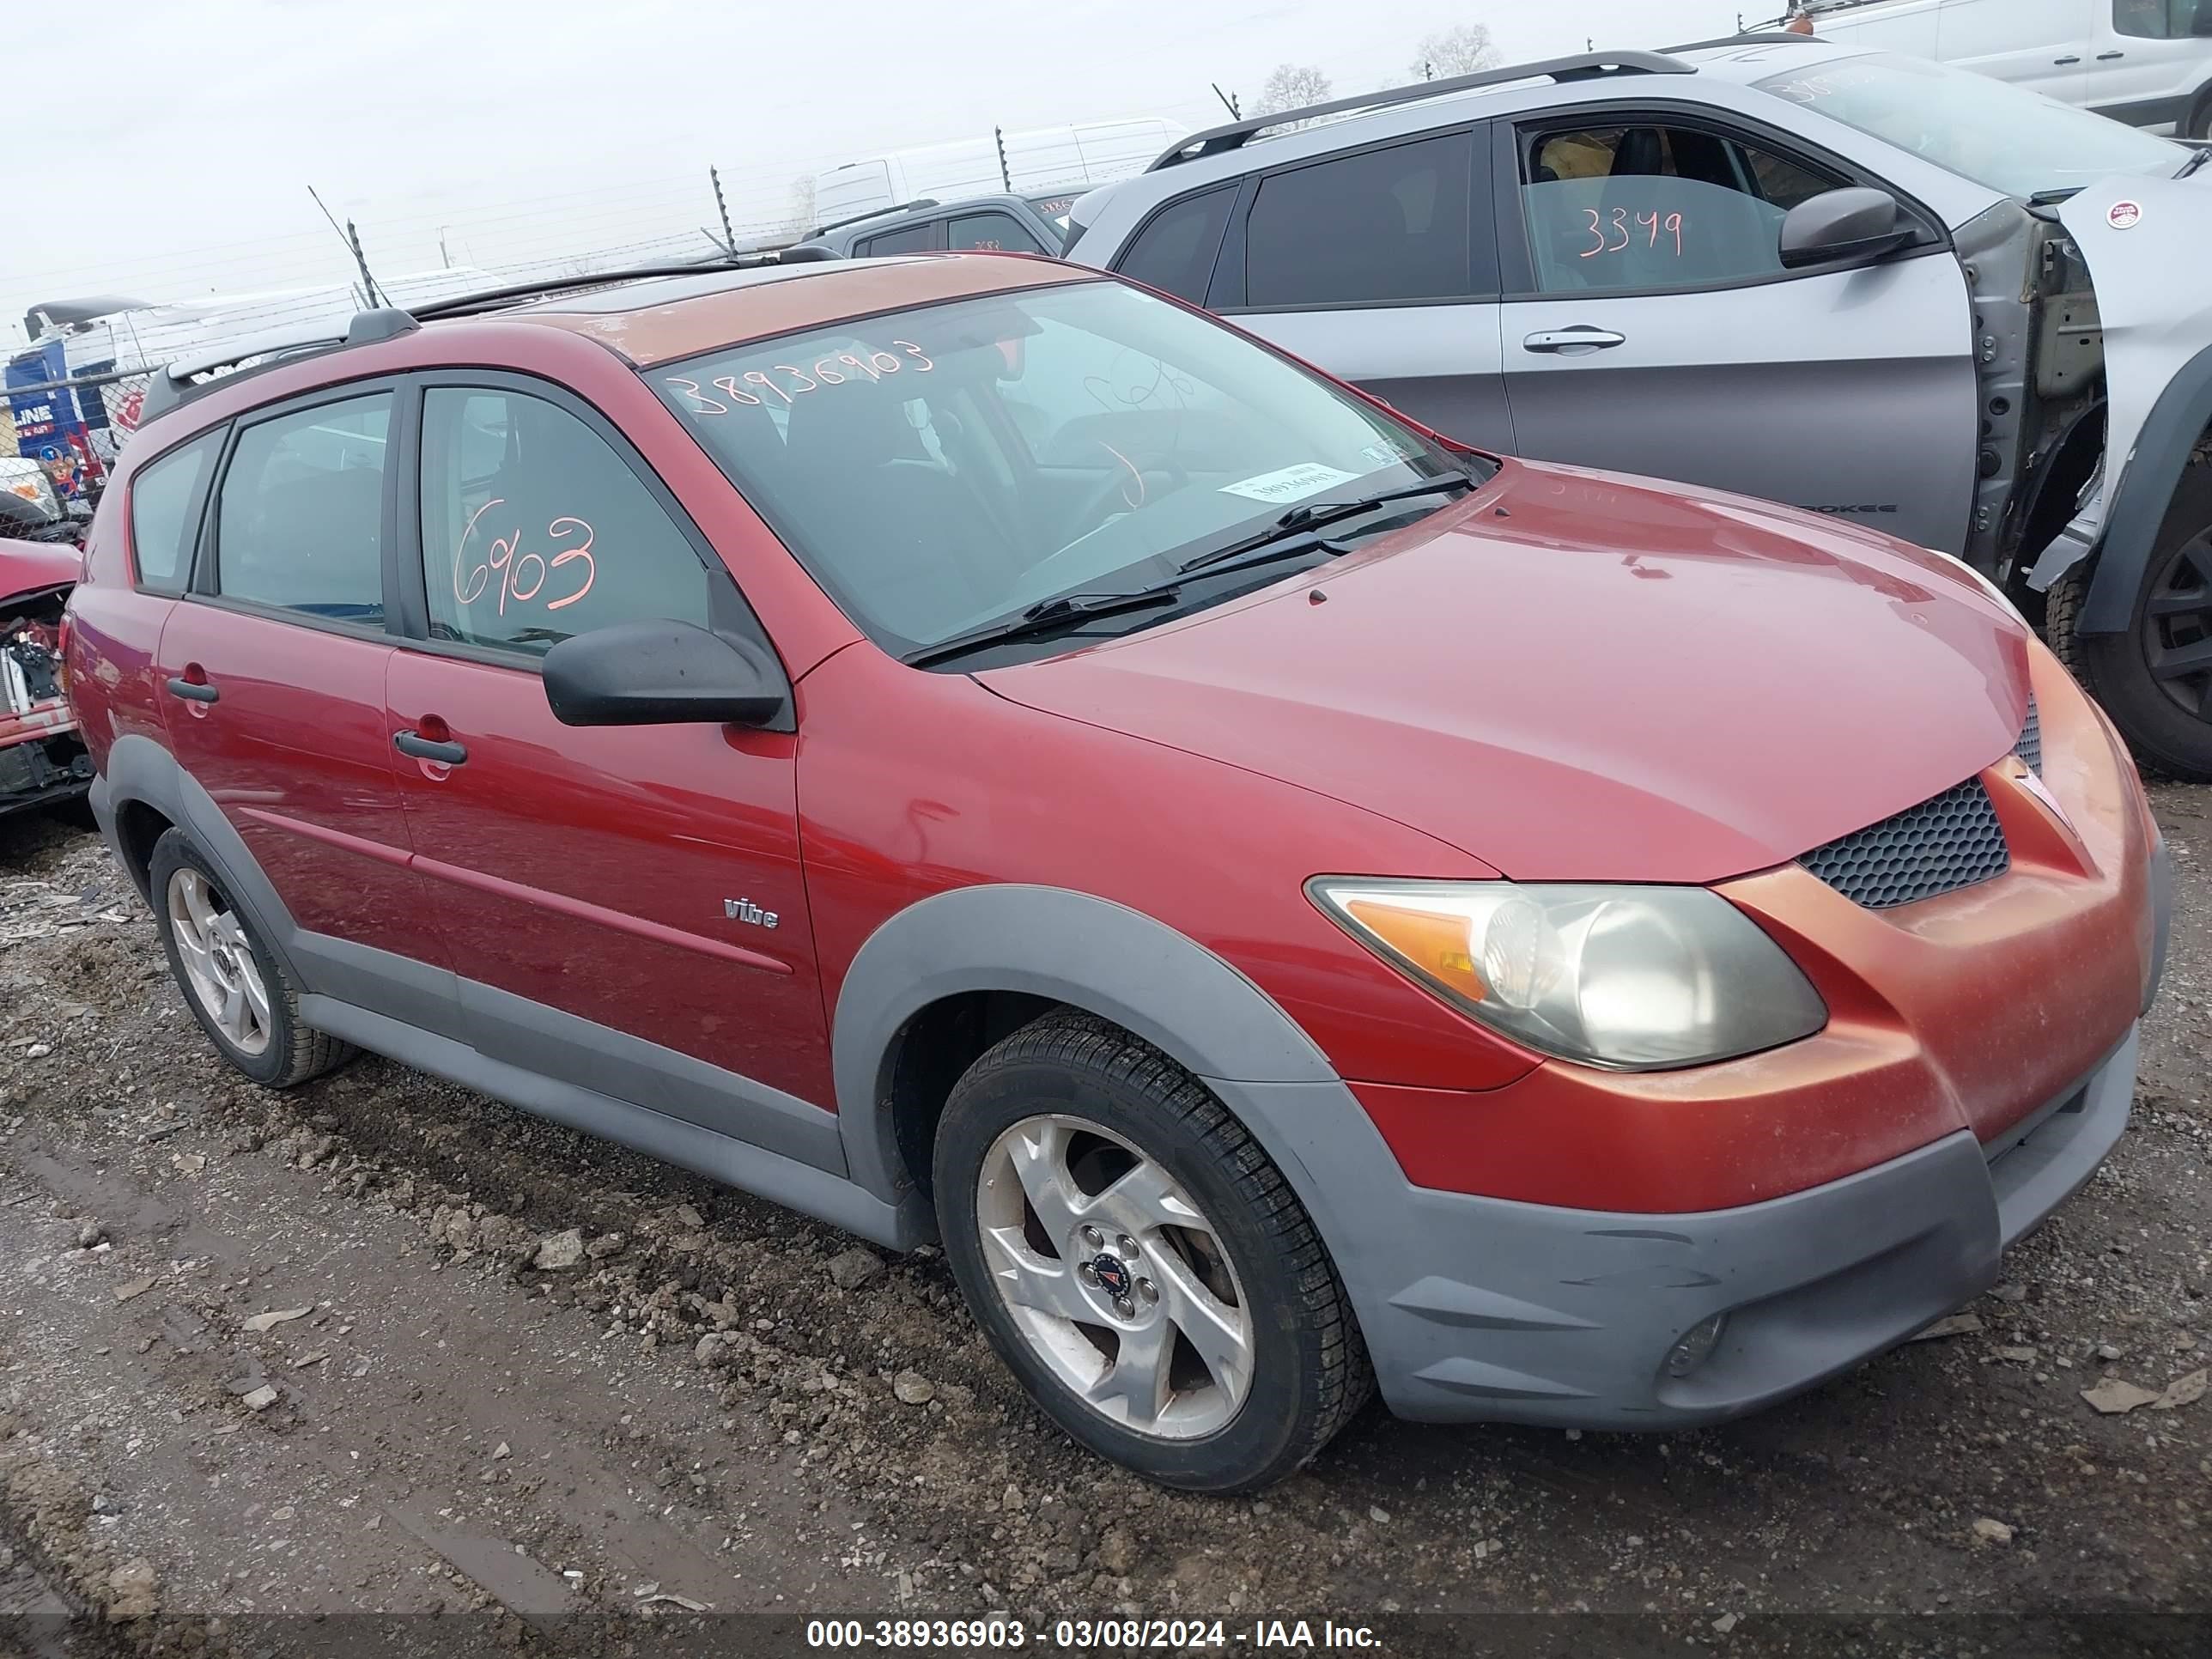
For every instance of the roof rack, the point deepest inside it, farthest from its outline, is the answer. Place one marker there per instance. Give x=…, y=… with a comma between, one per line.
x=914, y=206
x=1581, y=66
x=500, y=299
x=1748, y=38
x=188, y=377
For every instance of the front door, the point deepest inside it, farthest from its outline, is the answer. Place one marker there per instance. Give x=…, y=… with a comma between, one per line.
x=625, y=908
x=272, y=669
x=1660, y=334
x=1365, y=264
x=2151, y=57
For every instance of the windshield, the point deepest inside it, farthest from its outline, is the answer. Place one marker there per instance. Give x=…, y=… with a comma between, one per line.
x=940, y=469
x=1998, y=134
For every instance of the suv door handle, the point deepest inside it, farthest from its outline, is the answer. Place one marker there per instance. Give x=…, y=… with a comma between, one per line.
x=1580, y=338
x=414, y=743
x=193, y=690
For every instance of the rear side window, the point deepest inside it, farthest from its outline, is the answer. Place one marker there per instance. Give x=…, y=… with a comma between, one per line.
x=533, y=528
x=300, y=524
x=163, y=496
x=996, y=231
x=1175, y=252
x=914, y=239
x=1383, y=225
x=1643, y=208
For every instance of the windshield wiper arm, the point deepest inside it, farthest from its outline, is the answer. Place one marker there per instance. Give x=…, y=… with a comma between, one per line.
x=1314, y=514
x=2196, y=161
x=1046, y=617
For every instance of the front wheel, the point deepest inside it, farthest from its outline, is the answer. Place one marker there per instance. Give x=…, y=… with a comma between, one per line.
x=2154, y=680
x=1139, y=1263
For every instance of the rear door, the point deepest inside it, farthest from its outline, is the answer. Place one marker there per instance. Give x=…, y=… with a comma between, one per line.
x=993, y=230
x=2042, y=45
x=270, y=671
x=1655, y=331
x=625, y=906
x=923, y=236
x=1379, y=265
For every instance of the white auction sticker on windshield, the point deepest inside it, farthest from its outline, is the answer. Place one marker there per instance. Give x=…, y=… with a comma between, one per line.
x=1291, y=483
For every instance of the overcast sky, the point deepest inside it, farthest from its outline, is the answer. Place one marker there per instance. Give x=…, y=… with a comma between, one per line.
x=172, y=157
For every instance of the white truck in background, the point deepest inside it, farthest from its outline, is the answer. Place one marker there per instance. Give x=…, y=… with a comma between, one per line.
x=2147, y=63
x=1042, y=158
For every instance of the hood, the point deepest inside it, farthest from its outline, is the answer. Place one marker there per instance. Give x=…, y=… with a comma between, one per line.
x=1577, y=676
x=2139, y=237
x=34, y=567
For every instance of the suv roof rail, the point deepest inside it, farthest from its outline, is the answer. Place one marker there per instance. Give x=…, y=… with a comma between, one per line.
x=915, y=206
x=1748, y=38
x=1580, y=66
x=188, y=377
x=499, y=299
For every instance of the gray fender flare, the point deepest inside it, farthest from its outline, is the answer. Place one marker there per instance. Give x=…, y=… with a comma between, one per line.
x=140, y=769
x=1070, y=947
x=2147, y=483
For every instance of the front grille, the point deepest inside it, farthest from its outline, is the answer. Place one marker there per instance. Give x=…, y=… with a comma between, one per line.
x=1940, y=846
x=2030, y=746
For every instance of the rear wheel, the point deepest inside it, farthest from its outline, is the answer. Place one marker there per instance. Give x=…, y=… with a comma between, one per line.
x=2155, y=678
x=1139, y=1263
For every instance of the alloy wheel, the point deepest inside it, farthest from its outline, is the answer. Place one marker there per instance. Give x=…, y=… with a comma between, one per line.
x=2176, y=630
x=218, y=961
x=1115, y=1278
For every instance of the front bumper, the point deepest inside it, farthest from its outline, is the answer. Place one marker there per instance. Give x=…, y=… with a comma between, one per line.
x=1527, y=1313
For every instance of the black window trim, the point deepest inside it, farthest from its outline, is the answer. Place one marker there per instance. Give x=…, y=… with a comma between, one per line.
x=1233, y=187
x=1511, y=145
x=727, y=609
x=1229, y=278
x=207, y=552
x=196, y=511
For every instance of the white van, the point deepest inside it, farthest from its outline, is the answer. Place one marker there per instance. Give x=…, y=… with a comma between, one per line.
x=1039, y=159
x=2147, y=63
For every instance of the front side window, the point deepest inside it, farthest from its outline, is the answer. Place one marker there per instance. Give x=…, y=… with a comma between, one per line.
x=1640, y=208
x=998, y=232
x=1175, y=252
x=300, y=524
x=162, y=497
x=1380, y=224
x=2162, y=20
x=533, y=528
x=1996, y=134
x=941, y=469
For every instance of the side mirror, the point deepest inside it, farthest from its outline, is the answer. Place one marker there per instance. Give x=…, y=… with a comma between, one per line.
x=662, y=673
x=1856, y=223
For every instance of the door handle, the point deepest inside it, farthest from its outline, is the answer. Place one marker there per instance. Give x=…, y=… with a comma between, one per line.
x=414, y=743
x=193, y=690
x=2109, y=57
x=2063, y=62
x=1576, y=340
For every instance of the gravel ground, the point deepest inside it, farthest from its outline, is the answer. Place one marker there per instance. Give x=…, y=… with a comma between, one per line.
x=270, y=1365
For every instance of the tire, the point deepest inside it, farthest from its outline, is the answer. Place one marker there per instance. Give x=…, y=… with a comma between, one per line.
x=1196, y=1230
x=216, y=949
x=2153, y=712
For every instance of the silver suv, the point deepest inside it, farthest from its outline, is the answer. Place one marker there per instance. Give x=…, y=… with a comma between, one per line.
x=1899, y=294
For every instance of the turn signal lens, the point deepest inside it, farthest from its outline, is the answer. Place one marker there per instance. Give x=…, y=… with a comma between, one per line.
x=1630, y=978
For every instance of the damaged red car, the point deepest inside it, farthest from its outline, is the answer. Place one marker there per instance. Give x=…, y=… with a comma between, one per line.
x=979, y=752
x=43, y=761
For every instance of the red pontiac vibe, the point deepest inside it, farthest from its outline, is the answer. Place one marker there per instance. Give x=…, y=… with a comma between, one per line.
x=972, y=749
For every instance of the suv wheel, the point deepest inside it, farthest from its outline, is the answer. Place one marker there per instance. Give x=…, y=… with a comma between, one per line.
x=1139, y=1263
x=2156, y=680
x=237, y=991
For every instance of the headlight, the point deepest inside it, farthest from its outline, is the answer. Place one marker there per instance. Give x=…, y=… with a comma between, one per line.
x=1629, y=978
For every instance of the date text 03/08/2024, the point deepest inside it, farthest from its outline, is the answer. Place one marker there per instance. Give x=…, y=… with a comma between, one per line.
x=1085, y=1634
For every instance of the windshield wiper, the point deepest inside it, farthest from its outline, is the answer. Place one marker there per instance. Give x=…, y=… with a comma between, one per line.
x=1313, y=515
x=1046, y=617
x=2196, y=161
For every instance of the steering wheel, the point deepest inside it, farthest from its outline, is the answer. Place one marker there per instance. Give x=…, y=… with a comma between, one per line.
x=1128, y=481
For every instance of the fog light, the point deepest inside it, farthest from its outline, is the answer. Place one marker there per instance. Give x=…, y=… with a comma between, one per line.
x=1695, y=1346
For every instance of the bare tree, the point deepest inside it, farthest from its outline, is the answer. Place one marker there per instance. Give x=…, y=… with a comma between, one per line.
x=1292, y=86
x=1458, y=50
